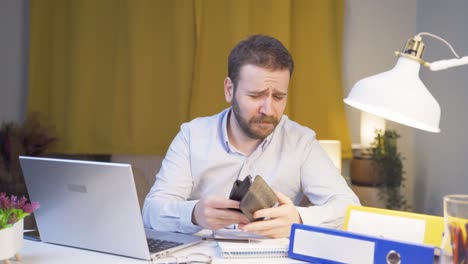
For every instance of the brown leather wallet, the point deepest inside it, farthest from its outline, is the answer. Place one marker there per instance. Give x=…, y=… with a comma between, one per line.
x=253, y=196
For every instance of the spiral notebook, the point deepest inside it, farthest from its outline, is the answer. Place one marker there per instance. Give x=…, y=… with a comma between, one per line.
x=257, y=247
x=267, y=248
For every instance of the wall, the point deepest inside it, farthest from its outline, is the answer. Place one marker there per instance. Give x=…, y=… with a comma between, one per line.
x=441, y=160
x=373, y=31
x=14, y=45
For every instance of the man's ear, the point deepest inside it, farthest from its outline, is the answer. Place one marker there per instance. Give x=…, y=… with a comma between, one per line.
x=228, y=89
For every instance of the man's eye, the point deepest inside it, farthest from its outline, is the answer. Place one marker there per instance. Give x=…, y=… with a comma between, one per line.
x=278, y=97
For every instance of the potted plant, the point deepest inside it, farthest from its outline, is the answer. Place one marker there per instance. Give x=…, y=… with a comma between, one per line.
x=380, y=167
x=12, y=213
x=31, y=138
x=389, y=167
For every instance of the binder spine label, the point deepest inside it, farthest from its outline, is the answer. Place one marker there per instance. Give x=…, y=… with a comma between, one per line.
x=326, y=246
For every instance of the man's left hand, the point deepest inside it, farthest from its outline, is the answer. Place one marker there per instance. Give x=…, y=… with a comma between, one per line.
x=279, y=220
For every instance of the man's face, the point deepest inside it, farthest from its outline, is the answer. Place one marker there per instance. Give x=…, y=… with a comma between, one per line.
x=259, y=100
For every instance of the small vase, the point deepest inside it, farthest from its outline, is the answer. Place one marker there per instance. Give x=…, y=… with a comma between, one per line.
x=11, y=240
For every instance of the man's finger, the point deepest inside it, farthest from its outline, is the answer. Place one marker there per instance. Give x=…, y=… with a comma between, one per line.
x=272, y=212
x=222, y=203
x=283, y=199
x=266, y=213
x=231, y=215
x=260, y=226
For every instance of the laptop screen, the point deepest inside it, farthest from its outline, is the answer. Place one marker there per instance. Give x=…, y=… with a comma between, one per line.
x=84, y=204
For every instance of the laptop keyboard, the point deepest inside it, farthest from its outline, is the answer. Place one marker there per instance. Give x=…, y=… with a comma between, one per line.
x=156, y=245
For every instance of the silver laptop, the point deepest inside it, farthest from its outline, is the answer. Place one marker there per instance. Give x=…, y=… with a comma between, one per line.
x=93, y=205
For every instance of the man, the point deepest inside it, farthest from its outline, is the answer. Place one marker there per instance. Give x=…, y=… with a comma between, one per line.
x=252, y=137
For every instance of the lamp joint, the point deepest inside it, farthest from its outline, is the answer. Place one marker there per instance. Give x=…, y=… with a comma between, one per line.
x=414, y=50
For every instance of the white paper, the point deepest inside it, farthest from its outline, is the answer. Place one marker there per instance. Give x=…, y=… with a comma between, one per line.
x=387, y=226
x=258, y=247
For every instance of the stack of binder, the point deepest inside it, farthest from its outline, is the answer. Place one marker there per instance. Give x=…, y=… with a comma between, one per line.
x=372, y=235
x=393, y=224
x=323, y=245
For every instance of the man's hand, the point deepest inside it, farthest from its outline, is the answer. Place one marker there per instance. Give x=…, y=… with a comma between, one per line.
x=214, y=213
x=279, y=220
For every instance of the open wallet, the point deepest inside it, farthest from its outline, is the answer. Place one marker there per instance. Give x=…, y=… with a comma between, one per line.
x=253, y=196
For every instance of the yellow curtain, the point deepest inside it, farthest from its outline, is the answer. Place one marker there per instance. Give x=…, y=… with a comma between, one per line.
x=120, y=76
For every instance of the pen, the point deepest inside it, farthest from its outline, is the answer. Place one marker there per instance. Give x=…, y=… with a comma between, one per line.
x=234, y=240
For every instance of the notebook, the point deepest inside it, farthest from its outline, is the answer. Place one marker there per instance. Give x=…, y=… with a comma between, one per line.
x=257, y=247
x=94, y=206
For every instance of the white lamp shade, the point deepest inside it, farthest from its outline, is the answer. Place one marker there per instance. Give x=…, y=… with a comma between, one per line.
x=398, y=95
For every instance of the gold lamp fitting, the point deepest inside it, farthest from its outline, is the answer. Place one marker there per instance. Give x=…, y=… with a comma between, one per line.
x=414, y=50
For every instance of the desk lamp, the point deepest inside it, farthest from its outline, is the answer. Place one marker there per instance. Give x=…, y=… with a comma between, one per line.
x=399, y=94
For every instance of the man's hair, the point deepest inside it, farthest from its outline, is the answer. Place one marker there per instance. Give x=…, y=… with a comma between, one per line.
x=259, y=50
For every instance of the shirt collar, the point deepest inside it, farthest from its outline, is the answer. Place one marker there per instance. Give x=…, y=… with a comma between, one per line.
x=225, y=138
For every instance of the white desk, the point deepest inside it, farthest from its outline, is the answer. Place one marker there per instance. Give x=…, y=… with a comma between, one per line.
x=43, y=253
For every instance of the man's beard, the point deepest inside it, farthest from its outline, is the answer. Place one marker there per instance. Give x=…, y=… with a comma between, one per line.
x=247, y=126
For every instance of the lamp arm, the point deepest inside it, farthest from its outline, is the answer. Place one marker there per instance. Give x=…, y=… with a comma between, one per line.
x=445, y=64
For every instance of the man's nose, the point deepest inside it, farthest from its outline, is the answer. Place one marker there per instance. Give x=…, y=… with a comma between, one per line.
x=267, y=107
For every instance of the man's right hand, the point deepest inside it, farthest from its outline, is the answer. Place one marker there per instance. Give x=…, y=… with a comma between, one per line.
x=214, y=213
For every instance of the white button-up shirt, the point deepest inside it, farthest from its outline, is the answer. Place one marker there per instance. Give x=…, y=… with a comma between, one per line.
x=201, y=161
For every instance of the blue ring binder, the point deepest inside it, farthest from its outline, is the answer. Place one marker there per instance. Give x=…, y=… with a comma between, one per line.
x=330, y=246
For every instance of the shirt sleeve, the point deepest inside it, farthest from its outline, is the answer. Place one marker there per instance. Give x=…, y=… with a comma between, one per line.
x=326, y=189
x=166, y=207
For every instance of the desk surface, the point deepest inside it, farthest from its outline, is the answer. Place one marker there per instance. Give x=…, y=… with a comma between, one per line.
x=43, y=253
